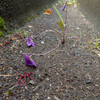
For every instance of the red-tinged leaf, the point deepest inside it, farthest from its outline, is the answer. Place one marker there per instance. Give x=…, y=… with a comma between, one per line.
x=7, y=42
x=68, y=80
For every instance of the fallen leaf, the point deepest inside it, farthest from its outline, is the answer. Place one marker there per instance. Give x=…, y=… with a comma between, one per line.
x=30, y=26
x=48, y=12
x=7, y=42
x=68, y=80
x=75, y=5
x=70, y=3
x=1, y=44
x=98, y=43
x=13, y=38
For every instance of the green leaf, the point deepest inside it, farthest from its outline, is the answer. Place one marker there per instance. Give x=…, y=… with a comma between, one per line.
x=61, y=25
x=59, y=15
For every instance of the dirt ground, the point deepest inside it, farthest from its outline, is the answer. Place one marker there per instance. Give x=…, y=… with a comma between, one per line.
x=71, y=72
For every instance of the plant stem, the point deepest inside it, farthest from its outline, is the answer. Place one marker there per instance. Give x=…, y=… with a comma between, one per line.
x=65, y=26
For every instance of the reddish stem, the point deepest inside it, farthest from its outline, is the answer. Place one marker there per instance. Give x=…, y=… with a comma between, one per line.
x=64, y=32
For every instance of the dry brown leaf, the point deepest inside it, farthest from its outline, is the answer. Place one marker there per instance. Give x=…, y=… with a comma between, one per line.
x=13, y=38
x=48, y=12
x=1, y=44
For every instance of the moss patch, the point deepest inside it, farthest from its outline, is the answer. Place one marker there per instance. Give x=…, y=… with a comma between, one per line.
x=1, y=34
x=2, y=24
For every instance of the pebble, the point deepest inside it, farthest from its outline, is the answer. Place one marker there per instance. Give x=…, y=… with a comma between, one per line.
x=79, y=49
x=83, y=54
x=88, y=82
x=32, y=82
x=42, y=42
x=77, y=52
x=84, y=19
x=1, y=84
x=78, y=28
x=48, y=56
x=50, y=84
x=48, y=98
x=74, y=45
x=82, y=96
x=29, y=30
x=74, y=64
x=48, y=79
x=20, y=51
x=90, y=62
x=68, y=54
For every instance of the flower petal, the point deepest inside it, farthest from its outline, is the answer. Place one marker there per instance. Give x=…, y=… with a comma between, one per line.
x=33, y=44
x=33, y=63
x=28, y=42
x=63, y=8
x=27, y=60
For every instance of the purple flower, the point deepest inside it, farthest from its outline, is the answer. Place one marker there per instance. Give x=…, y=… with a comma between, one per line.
x=29, y=61
x=30, y=42
x=63, y=8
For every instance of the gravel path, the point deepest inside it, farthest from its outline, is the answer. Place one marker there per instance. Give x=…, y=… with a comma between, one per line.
x=72, y=72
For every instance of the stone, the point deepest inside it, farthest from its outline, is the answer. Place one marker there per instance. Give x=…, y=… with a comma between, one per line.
x=79, y=49
x=88, y=81
x=68, y=54
x=74, y=64
x=48, y=98
x=84, y=54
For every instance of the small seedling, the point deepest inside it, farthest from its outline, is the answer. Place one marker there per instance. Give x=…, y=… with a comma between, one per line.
x=28, y=19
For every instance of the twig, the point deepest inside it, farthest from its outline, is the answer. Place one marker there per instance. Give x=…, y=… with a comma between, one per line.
x=6, y=75
x=56, y=97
